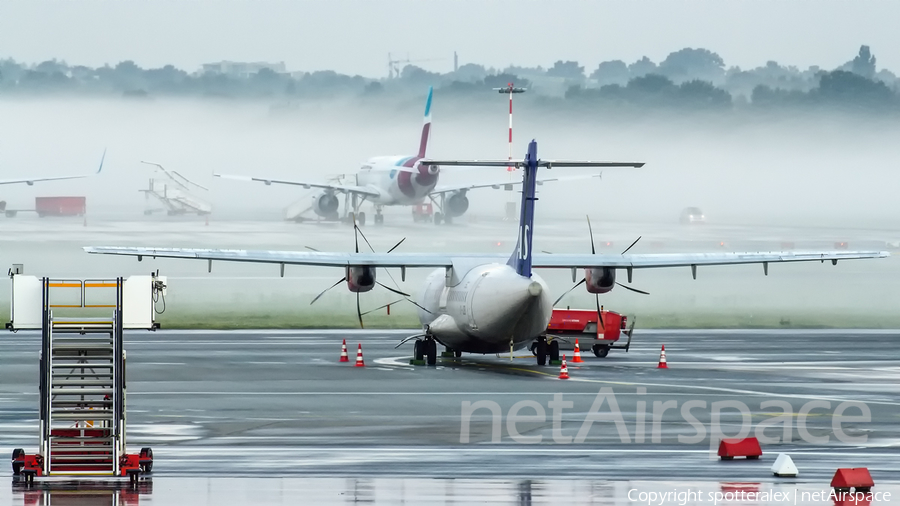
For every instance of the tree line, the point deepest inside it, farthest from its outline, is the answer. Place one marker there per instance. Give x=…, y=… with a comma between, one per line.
x=690, y=78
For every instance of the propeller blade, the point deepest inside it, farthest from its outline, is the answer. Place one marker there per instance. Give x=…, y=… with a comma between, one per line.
x=329, y=288
x=632, y=244
x=381, y=307
x=591, y=231
x=600, y=313
x=361, y=234
x=398, y=292
x=423, y=308
x=355, y=231
x=632, y=289
x=396, y=245
x=358, y=311
x=583, y=280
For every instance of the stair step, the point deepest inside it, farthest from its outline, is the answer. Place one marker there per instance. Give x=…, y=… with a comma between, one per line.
x=79, y=439
x=81, y=391
x=71, y=449
x=67, y=375
x=79, y=416
x=81, y=382
x=73, y=460
x=78, y=403
x=57, y=365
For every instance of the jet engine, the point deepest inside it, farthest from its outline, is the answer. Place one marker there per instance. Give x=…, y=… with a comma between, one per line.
x=326, y=205
x=360, y=278
x=600, y=279
x=457, y=204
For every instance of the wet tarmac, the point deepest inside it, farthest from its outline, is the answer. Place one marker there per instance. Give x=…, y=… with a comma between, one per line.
x=264, y=404
x=369, y=490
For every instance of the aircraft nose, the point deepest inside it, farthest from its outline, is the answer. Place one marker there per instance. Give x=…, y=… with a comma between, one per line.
x=499, y=302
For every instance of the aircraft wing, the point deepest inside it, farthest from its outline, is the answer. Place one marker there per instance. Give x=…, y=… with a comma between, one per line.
x=645, y=261
x=638, y=261
x=447, y=189
x=294, y=257
x=519, y=163
x=359, y=190
x=31, y=180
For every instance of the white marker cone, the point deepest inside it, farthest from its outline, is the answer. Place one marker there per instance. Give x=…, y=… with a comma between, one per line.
x=784, y=466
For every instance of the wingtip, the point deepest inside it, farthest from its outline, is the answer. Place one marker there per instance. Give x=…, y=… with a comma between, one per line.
x=102, y=159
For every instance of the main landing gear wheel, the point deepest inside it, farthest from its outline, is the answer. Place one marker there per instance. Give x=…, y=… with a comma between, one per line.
x=431, y=351
x=554, y=351
x=379, y=219
x=540, y=350
x=437, y=218
x=419, y=350
x=600, y=350
x=361, y=219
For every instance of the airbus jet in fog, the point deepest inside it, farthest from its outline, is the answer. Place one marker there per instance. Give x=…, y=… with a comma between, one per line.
x=393, y=181
x=484, y=303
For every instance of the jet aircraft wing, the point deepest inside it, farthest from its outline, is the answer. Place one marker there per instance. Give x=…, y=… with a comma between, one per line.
x=496, y=185
x=339, y=188
x=31, y=180
x=520, y=163
x=637, y=261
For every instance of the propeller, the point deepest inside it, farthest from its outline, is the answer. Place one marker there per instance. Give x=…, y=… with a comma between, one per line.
x=584, y=280
x=357, y=233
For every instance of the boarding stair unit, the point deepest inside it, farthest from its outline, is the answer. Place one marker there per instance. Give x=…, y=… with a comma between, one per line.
x=83, y=394
x=82, y=384
x=176, y=201
x=174, y=192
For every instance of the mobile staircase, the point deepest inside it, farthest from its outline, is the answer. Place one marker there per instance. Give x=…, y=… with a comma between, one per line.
x=82, y=379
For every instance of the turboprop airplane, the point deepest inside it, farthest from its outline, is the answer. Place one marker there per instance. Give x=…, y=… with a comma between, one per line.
x=483, y=303
x=393, y=181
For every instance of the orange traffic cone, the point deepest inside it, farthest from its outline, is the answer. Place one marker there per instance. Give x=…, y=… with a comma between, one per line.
x=662, y=359
x=344, y=356
x=577, y=357
x=359, y=359
x=563, y=370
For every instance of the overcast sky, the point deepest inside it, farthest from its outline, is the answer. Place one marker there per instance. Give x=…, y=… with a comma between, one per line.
x=355, y=37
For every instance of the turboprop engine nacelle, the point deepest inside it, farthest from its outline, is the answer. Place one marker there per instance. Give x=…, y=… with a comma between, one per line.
x=600, y=279
x=457, y=204
x=326, y=205
x=360, y=278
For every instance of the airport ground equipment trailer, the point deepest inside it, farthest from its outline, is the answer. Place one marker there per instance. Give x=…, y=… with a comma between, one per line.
x=584, y=324
x=82, y=423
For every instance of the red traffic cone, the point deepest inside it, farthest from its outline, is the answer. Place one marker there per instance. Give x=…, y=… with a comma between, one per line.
x=359, y=359
x=662, y=359
x=344, y=356
x=563, y=370
x=577, y=356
